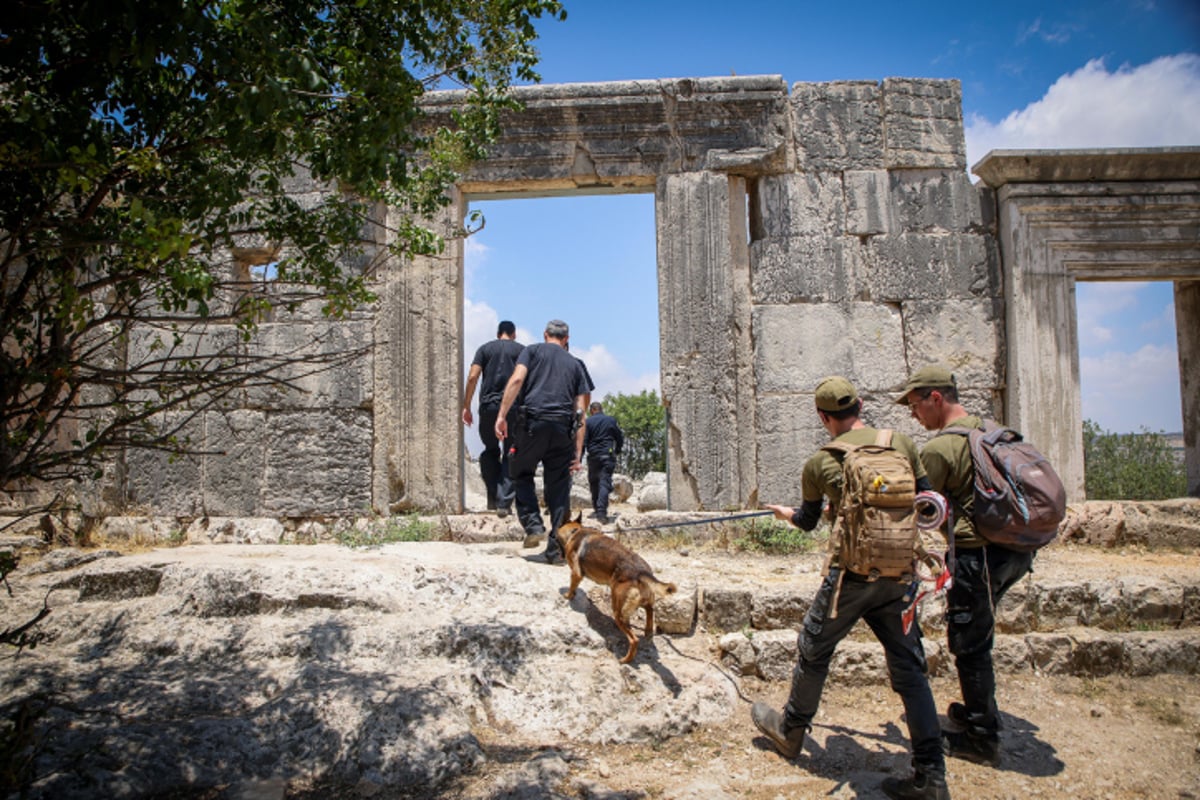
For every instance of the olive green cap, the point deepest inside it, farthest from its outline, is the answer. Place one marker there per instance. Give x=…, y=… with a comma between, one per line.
x=931, y=376
x=835, y=393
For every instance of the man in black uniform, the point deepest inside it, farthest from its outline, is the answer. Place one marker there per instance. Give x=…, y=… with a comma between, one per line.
x=547, y=389
x=494, y=361
x=603, y=441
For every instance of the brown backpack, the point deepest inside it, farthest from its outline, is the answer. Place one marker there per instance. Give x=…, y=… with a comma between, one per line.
x=1019, y=498
x=876, y=531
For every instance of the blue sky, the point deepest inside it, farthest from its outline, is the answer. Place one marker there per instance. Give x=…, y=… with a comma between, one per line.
x=1101, y=73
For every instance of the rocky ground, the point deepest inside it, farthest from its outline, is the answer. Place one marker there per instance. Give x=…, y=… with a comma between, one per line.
x=458, y=671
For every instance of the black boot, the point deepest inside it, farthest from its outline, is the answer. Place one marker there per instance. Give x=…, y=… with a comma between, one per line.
x=787, y=740
x=921, y=786
x=974, y=744
x=957, y=713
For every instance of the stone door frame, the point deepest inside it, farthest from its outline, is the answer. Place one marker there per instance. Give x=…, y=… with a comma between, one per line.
x=1091, y=215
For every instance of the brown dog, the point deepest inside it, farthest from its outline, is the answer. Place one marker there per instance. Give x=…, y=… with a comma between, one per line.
x=608, y=562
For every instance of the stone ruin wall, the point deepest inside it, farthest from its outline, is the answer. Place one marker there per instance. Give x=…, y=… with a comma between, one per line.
x=831, y=228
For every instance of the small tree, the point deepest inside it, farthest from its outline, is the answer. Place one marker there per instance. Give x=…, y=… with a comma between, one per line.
x=148, y=156
x=643, y=420
x=1130, y=466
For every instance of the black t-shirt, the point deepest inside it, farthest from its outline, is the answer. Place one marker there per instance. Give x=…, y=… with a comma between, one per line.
x=497, y=359
x=587, y=376
x=603, y=437
x=555, y=379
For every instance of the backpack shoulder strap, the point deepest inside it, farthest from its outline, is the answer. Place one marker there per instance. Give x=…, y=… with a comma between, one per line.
x=883, y=437
x=841, y=447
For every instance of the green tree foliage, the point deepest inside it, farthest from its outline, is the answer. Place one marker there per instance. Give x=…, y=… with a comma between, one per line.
x=643, y=420
x=147, y=149
x=1130, y=466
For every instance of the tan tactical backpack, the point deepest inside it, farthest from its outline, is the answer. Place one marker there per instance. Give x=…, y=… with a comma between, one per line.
x=876, y=530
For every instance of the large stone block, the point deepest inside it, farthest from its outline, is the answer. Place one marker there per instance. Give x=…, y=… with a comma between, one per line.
x=798, y=204
x=780, y=609
x=838, y=126
x=235, y=462
x=332, y=365
x=797, y=345
x=869, y=210
x=726, y=609
x=153, y=349
x=935, y=200
x=815, y=268
x=164, y=484
x=922, y=120
x=789, y=431
x=927, y=266
x=318, y=461
x=965, y=334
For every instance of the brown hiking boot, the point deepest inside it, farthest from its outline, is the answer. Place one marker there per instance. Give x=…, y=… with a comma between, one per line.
x=788, y=741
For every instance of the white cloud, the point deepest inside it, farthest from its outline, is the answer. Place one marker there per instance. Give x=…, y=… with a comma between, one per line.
x=1125, y=392
x=1095, y=302
x=1151, y=105
x=1164, y=321
x=475, y=256
x=610, y=376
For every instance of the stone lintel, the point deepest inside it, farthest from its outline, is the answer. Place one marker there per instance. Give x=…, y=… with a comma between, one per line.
x=1001, y=167
x=624, y=134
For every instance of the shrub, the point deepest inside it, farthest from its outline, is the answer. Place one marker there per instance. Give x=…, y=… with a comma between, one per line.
x=1130, y=466
x=409, y=528
x=776, y=536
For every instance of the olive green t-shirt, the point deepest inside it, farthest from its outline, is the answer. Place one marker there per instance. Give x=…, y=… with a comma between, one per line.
x=947, y=459
x=822, y=476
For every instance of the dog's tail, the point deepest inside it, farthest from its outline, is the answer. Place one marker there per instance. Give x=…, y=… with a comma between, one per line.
x=656, y=588
x=647, y=590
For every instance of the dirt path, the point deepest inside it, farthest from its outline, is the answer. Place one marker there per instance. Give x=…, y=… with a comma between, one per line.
x=1063, y=738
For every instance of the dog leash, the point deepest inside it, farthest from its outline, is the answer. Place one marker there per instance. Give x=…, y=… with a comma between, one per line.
x=695, y=521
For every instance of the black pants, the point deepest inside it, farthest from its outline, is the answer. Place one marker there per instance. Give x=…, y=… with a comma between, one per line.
x=493, y=462
x=981, y=577
x=880, y=604
x=549, y=443
x=600, y=472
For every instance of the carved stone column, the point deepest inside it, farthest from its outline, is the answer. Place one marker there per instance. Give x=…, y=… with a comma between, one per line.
x=706, y=356
x=418, y=377
x=1187, y=331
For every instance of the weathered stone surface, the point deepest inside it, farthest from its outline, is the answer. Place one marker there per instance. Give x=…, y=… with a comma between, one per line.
x=964, y=334
x=797, y=345
x=138, y=530
x=234, y=482
x=838, y=125
x=235, y=530
x=778, y=610
x=331, y=472
x=926, y=266
x=803, y=269
x=653, y=494
x=922, y=121
x=415, y=451
x=340, y=384
x=799, y=204
x=565, y=136
x=706, y=365
x=1169, y=523
x=164, y=485
x=726, y=609
x=186, y=667
x=676, y=613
